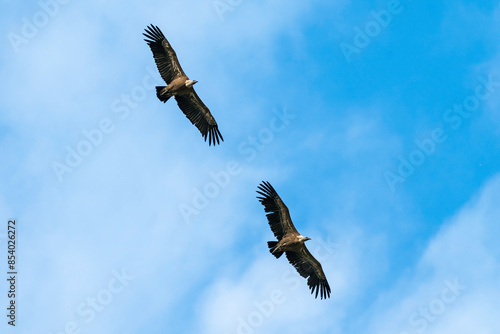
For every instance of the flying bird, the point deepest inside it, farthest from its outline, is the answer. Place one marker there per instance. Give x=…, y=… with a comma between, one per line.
x=180, y=86
x=291, y=242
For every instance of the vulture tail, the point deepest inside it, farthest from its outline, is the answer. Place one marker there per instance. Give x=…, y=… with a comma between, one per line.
x=162, y=96
x=272, y=249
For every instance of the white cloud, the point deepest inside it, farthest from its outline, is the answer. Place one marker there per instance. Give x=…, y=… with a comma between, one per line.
x=463, y=260
x=270, y=295
x=120, y=207
x=451, y=289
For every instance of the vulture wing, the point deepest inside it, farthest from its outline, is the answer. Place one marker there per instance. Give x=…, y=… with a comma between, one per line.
x=308, y=266
x=278, y=216
x=165, y=57
x=198, y=113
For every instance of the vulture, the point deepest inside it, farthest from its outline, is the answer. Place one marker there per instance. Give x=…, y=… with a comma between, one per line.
x=291, y=242
x=180, y=86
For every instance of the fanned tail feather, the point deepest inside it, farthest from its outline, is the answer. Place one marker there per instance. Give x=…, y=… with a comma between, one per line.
x=162, y=97
x=272, y=249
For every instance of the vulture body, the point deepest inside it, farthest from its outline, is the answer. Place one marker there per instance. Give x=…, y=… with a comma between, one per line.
x=180, y=86
x=291, y=242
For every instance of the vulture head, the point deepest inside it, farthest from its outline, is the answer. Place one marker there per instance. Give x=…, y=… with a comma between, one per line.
x=190, y=83
x=303, y=239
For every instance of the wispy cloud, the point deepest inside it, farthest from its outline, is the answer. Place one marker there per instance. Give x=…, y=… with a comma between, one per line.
x=454, y=279
x=119, y=208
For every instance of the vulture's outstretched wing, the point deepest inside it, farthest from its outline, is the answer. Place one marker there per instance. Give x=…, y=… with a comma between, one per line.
x=308, y=266
x=279, y=217
x=165, y=57
x=198, y=113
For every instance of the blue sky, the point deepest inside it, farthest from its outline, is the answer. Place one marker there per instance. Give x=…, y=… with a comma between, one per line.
x=386, y=157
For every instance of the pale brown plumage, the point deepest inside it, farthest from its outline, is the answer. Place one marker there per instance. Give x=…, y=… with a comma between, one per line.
x=179, y=86
x=291, y=242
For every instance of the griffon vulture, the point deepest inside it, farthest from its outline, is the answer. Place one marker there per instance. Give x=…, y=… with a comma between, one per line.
x=180, y=86
x=291, y=242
